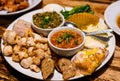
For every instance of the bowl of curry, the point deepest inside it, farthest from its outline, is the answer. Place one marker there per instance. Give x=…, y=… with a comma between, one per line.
x=46, y=21
x=66, y=41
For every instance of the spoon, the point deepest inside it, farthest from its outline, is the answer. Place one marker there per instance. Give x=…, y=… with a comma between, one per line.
x=71, y=24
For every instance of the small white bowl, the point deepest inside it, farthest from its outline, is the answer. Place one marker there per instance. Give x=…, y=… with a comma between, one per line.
x=45, y=32
x=66, y=52
x=111, y=14
x=53, y=7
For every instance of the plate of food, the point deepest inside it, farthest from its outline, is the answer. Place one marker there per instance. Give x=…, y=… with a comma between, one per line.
x=11, y=7
x=29, y=52
x=113, y=19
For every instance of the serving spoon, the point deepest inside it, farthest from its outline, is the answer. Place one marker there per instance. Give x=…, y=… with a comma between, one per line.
x=95, y=33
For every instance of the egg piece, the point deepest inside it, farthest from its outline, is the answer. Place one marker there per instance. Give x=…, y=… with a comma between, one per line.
x=53, y=7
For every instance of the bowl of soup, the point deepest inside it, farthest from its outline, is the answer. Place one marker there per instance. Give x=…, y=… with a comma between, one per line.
x=45, y=21
x=66, y=41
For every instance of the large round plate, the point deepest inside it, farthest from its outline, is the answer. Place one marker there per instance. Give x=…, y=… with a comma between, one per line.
x=56, y=75
x=111, y=14
x=32, y=3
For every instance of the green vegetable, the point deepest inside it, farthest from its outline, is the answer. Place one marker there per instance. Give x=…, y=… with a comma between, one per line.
x=46, y=20
x=77, y=9
x=65, y=36
x=59, y=40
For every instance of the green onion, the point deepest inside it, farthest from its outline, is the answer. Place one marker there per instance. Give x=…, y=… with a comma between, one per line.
x=65, y=36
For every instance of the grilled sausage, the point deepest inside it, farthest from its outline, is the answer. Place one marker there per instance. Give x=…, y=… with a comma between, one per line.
x=67, y=68
x=47, y=67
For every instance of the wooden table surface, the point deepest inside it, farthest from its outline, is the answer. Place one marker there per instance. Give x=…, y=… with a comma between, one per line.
x=109, y=72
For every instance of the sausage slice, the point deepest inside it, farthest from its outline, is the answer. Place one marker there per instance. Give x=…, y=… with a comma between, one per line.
x=67, y=68
x=47, y=67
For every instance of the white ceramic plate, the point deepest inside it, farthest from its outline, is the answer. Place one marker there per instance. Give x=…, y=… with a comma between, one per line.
x=32, y=3
x=56, y=75
x=111, y=14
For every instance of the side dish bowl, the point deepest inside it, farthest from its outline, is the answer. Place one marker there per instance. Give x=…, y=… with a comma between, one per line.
x=45, y=21
x=53, y=7
x=66, y=41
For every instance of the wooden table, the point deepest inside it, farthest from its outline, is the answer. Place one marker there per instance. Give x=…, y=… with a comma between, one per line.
x=110, y=72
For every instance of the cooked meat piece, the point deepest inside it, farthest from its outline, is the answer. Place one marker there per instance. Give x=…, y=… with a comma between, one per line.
x=9, y=37
x=63, y=64
x=35, y=68
x=7, y=50
x=2, y=2
x=11, y=7
x=18, y=1
x=25, y=63
x=23, y=5
x=47, y=67
x=69, y=72
x=16, y=58
x=1, y=7
x=11, y=2
x=21, y=26
x=67, y=68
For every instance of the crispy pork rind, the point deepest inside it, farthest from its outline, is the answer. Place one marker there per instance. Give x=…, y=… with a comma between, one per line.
x=28, y=48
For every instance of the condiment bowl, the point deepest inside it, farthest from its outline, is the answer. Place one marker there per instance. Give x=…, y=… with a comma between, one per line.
x=45, y=21
x=64, y=34
x=53, y=7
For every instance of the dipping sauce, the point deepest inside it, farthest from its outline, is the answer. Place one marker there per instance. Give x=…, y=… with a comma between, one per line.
x=47, y=20
x=118, y=21
x=66, y=39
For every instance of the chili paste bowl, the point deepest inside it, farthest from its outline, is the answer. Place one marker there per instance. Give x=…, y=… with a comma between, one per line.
x=45, y=21
x=66, y=41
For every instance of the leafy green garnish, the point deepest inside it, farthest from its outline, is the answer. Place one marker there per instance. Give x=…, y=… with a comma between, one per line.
x=66, y=37
x=59, y=40
x=77, y=9
x=46, y=20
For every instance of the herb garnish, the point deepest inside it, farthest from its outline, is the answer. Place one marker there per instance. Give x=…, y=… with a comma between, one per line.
x=77, y=9
x=46, y=20
x=65, y=37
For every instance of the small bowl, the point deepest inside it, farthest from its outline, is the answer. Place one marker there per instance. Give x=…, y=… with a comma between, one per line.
x=45, y=31
x=66, y=52
x=111, y=14
x=53, y=7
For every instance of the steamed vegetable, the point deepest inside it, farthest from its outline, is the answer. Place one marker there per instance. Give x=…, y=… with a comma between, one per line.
x=77, y=9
